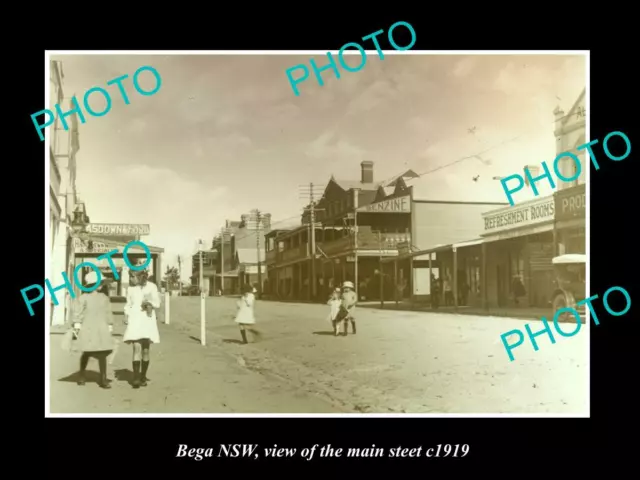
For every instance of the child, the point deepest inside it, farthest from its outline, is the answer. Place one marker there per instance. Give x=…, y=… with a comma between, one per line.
x=93, y=325
x=142, y=327
x=348, y=305
x=334, y=303
x=245, y=316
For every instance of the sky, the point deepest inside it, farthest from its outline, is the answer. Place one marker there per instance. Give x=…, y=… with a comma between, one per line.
x=226, y=134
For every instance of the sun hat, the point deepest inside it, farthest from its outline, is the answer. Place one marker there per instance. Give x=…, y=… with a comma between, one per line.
x=91, y=278
x=347, y=284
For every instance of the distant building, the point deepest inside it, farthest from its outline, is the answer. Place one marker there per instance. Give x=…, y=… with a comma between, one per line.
x=209, y=259
x=239, y=248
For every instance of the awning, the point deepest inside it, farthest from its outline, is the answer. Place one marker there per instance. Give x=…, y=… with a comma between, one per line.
x=438, y=248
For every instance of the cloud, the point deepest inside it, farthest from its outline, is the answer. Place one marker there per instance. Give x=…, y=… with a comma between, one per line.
x=331, y=149
x=373, y=96
x=222, y=147
x=464, y=66
x=179, y=209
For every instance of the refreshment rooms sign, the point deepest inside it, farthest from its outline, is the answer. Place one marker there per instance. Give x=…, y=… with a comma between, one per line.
x=523, y=215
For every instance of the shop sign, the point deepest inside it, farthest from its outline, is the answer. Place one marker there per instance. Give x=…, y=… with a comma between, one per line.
x=118, y=229
x=393, y=205
x=571, y=203
x=102, y=247
x=523, y=215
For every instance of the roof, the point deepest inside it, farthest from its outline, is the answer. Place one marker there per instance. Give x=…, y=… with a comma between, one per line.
x=351, y=184
x=406, y=175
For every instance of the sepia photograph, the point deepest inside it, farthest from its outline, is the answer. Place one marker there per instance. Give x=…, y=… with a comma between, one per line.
x=404, y=239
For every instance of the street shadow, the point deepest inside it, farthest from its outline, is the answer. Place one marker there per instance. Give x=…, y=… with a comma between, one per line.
x=324, y=333
x=195, y=339
x=90, y=377
x=232, y=340
x=123, y=375
x=57, y=333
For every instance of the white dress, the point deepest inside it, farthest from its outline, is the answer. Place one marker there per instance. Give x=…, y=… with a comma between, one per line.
x=140, y=325
x=245, y=314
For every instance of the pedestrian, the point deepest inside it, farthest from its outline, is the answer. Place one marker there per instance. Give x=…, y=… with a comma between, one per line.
x=245, y=316
x=334, y=303
x=93, y=325
x=435, y=292
x=517, y=288
x=142, y=325
x=448, y=293
x=348, y=305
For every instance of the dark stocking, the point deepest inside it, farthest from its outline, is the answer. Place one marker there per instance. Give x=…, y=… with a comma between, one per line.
x=136, y=374
x=84, y=361
x=102, y=365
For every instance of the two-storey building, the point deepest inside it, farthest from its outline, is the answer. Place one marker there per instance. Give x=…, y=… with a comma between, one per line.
x=350, y=240
x=241, y=252
x=571, y=197
x=63, y=148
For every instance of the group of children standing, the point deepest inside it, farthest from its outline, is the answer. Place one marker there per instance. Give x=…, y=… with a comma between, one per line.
x=342, y=305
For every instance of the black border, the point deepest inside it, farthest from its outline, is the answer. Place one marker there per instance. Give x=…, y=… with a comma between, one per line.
x=507, y=445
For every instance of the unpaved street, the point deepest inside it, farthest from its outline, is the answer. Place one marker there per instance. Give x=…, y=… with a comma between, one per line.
x=410, y=362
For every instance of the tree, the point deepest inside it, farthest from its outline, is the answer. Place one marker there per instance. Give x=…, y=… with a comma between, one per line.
x=172, y=278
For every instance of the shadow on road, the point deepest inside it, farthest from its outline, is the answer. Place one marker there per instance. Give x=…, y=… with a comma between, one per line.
x=123, y=375
x=324, y=333
x=232, y=340
x=195, y=339
x=90, y=377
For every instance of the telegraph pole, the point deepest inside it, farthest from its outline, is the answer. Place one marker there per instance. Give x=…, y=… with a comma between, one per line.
x=355, y=237
x=258, y=218
x=222, y=232
x=203, y=330
x=313, y=286
x=381, y=274
x=179, y=275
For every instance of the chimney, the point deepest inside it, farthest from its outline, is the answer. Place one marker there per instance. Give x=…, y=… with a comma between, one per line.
x=367, y=172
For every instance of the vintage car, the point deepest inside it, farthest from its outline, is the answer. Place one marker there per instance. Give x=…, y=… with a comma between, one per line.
x=569, y=285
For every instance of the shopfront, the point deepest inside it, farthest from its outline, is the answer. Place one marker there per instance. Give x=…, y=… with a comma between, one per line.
x=570, y=220
x=135, y=254
x=520, y=243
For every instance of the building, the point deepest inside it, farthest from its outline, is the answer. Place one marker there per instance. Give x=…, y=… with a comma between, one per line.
x=88, y=250
x=444, y=211
x=63, y=148
x=350, y=240
x=570, y=198
x=209, y=259
x=240, y=248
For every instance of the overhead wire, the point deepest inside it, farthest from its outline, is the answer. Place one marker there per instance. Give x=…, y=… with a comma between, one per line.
x=581, y=113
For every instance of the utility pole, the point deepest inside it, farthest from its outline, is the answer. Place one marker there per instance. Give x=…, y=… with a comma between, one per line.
x=180, y=275
x=258, y=219
x=355, y=237
x=222, y=232
x=308, y=192
x=203, y=330
x=381, y=276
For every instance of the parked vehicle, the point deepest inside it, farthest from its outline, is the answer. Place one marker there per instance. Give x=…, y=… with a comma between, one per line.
x=191, y=291
x=569, y=285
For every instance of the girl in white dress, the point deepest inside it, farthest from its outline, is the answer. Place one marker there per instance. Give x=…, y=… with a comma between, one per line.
x=142, y=326
x=245, y=316
x=334, y=303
